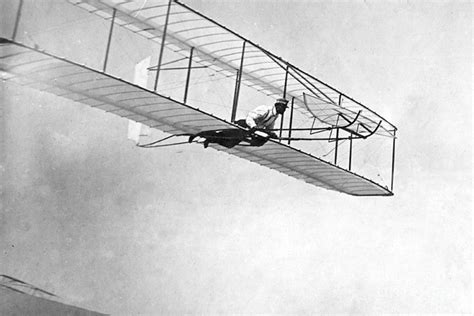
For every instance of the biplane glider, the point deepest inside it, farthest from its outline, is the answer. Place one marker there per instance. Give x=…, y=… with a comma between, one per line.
x=193, y=46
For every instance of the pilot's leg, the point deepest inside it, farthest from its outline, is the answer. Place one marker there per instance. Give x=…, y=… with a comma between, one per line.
x=258, y=141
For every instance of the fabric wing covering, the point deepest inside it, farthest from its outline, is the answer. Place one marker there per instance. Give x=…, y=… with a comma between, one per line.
x=39, y=70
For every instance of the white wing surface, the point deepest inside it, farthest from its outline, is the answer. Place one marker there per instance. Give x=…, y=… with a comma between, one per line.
x=39, y=70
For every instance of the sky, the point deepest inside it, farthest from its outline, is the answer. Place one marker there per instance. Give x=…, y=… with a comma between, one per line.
x=122, y=230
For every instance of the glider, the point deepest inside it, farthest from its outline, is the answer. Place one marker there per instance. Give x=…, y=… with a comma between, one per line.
x=323, y=113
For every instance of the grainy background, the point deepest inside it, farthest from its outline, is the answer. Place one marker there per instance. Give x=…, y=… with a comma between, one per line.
x=121, y=230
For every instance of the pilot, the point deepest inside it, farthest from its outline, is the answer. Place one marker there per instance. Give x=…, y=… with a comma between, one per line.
x=261, y=118
x=264, y=117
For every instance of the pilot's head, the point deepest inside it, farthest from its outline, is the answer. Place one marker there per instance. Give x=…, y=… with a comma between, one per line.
x=281, y=105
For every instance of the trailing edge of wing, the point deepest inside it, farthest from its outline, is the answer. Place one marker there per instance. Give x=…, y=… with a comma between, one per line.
x=39, y=70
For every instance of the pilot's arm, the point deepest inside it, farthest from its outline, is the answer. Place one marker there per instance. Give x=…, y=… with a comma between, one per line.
x=255, y=116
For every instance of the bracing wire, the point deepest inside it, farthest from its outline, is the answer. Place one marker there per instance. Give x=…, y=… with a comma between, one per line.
x=164, y=145
x=155, y=143
x=138, y=11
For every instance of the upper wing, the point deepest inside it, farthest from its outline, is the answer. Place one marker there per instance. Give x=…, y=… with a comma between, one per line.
x=221, y=49
x=32, y=68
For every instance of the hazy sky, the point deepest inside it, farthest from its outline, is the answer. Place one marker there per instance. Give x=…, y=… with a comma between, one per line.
x=122, y=230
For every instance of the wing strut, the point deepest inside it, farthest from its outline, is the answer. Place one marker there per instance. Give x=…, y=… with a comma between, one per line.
x=162, y=47
x=238, y=79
